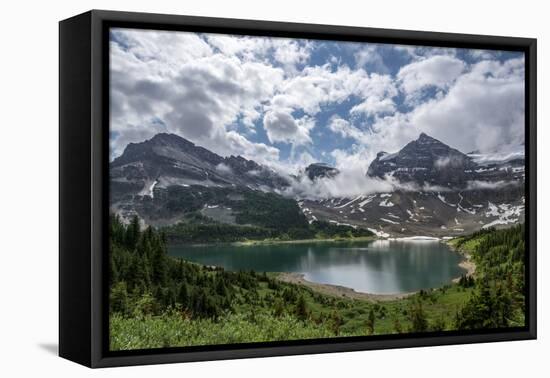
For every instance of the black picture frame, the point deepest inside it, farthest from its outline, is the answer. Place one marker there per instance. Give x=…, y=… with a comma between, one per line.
x=83, y=195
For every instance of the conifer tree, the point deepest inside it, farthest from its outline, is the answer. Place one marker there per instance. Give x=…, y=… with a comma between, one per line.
x=370, y=322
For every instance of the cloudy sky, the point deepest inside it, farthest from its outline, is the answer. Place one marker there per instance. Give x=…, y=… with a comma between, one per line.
x=289, y=102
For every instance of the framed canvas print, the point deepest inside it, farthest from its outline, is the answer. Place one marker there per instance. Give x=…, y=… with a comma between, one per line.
x=234, y=188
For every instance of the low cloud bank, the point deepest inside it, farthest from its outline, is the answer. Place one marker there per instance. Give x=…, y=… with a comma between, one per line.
x=350, y=183
x=353, y=183
x=492, y=185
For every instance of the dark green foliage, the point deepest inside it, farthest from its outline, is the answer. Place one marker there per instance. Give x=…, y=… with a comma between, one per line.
x=151, y=289
x=255, y=215
x=331, y=230
x=278, y=308
x=475, y=235
x=336, y=322
x=397, y=325
x=370, y=322
x=216, y=233
x=466, y=281
x=489, y=307
x=270, y=210
x=132, y=234
x=301, y=308
x=119, y=298
x=499, y=297
x=145, y=280
x=417, y=317
x=209, y=231
x=250, y=207
x=438, y=324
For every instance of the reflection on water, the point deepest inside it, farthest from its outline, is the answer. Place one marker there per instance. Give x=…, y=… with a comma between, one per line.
x=380, y=266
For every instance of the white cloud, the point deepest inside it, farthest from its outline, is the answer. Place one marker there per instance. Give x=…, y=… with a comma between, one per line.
x=490, y=185
x=291, y=53
x=377, y=92
x=438, y=71
x=374, y=105
x=316, y=86
x=231, y=143
x=346, y=184
x=223, y=168
x=369, y=57
x=482, y=111
x=483, y=54
x=197, y=95
x=216, y=90
x=417, y=53
x=381, y=86
x=344, y=128
x=155, y=53
x=244, y=46
x=282, y=127
x=351, y=181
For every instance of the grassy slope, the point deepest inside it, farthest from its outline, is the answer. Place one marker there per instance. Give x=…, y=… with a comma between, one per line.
x=172, y=330
x=254, y=319
x=261, y=314
x=254, y=216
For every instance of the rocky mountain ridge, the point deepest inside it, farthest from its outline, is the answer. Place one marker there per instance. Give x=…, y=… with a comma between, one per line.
x=453, y=193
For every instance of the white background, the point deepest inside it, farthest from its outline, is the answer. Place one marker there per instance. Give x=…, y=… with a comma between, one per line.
x=29, y=186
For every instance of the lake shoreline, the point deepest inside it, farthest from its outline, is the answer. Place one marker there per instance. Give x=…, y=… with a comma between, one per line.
x=467, y=263
x=337, y=290
x=344, y=291
x=304, y=241
x=248, y=243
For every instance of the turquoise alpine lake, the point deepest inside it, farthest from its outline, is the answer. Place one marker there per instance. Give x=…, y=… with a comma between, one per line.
x=377, y=267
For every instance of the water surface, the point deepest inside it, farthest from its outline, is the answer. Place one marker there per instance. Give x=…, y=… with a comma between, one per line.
x=378, y=267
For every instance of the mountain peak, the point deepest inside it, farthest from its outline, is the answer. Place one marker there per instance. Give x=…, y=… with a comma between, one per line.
x=169, y=138
x=425, y=138
x=170, y=160
x=316, y=170
x=166, y=147
x=425, y=160
x=428, y=145
x=319, y=164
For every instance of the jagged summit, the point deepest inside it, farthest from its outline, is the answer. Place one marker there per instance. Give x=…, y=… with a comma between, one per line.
x=319, y=170
x=424, y=136
x=168, y=137
x=425, y=161
x=169, y=160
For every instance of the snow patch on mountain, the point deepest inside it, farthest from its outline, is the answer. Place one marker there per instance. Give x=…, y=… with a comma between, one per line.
x=505, y=213
x=442, y=199
x=386, y=203
x=152, y=188
x=380, y=234
x=368, y=200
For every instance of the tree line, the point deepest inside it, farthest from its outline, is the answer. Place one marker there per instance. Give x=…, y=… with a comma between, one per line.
x=145, y=280
x=498, y=299
x=210, y=231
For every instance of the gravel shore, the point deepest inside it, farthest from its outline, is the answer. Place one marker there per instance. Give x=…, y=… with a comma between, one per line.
x=339, y=291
